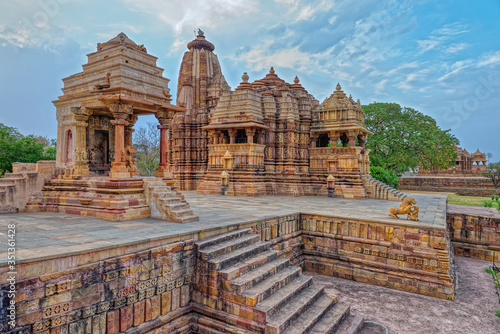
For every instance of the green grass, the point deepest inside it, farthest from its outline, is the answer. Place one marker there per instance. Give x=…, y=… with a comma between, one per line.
x=470, y=200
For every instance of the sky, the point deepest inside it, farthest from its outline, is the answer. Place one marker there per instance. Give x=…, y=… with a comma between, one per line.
x=441, y=58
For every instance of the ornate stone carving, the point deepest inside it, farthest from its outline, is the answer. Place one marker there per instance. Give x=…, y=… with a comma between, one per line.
x=407, y=207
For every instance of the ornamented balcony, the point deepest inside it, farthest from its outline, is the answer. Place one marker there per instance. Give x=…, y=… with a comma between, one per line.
x=243, y=155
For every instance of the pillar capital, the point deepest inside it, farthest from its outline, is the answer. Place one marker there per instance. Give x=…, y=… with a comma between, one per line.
x=120, y=108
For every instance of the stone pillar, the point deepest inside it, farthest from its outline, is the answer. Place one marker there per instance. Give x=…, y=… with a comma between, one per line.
x=81, y=116
x=120, y=112
x=313, y=139
x=164, y=119
x=352, y=138
x=215, y=136
x=362, y=141
x=250, y=133
x=334, y=138
x=232, y=135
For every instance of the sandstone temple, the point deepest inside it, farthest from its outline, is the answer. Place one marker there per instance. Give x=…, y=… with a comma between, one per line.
x=222, y=238
x=267, y=137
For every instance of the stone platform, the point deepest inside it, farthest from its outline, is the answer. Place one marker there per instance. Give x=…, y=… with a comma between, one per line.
x=81, y=274
x=42, y=235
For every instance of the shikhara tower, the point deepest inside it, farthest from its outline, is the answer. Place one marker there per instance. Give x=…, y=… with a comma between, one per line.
x=200, y=85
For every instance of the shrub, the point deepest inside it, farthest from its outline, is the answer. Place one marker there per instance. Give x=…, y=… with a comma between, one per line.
x=488, y=204
x=383, y=175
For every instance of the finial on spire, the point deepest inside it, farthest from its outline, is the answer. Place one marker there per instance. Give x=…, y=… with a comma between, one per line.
x=245, y=77
x=271, y=70
x=201, y=33
x=338, y=87
x=296, y=80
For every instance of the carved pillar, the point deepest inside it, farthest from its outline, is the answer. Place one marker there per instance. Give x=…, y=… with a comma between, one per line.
x=81, y=116
x=232, y=135
x=215, y=136
x=352, y=139
x=163, y=169
x=334, y=138
x=250, y=133
x=362, y=140
x=313, y=139
x=120, y=112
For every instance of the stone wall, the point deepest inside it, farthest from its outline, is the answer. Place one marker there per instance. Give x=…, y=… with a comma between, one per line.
x=465, y=186
x=403, y=256
x=474, y=231
x=101, y=292
x=146, y=287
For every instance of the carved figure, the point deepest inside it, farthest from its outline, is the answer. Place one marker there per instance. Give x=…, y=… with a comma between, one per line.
x=407, y=207
x=130, y=161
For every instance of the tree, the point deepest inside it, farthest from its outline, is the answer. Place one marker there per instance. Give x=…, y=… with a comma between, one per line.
x=147, y=147
x=14, y=147
x=489, y=156
x=492, y=172
x=404, y=138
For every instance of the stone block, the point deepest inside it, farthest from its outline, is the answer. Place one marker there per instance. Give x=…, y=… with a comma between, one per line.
x=138, y=313
x=166, y=302
x=155, y=306
x=113, y=322
x=126, y=317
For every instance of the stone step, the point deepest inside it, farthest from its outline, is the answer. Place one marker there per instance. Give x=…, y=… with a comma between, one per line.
x=210, y=241
x=188, y=219
x=164, y=194
x=295, y=308
x=177, y=206
x=270, y=285
x=169, y=200
x=282, y=297
x=243, y=267
x=162, y=188
x=330, y=321
x=181, y=213
x=314, y=314
x=237, y=255
x=228, y=246
x=252, y=278
x=355, y=325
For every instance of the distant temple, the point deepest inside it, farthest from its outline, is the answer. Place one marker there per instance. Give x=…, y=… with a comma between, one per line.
x=466, y=164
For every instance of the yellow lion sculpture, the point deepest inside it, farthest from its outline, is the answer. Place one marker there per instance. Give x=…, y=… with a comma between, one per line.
x=407, y=207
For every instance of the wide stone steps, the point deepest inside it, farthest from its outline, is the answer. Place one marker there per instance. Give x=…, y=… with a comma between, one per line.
x=227, y=246
x=214, y=240
x=270, y=285
x=313, y=295
x=250, y=264
x=328, y=323
x=280, y=299
x=237, y=255
x=246, y=279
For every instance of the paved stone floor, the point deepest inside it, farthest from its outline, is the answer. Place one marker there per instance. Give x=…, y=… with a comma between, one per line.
x=42, y=234
x=472, y=312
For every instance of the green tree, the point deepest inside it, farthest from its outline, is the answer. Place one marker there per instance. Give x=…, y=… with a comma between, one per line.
x=492, y=172
x=147, y=146
x=404, y=138
x=14, y=147
x=383, y=175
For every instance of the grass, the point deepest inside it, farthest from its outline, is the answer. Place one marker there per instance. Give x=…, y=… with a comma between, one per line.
x=470, y=200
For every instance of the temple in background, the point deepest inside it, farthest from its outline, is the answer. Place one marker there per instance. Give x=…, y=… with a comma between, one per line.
x=466, y=164
x=267, y=137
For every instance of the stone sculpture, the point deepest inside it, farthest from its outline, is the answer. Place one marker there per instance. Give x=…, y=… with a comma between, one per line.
x=407, y=207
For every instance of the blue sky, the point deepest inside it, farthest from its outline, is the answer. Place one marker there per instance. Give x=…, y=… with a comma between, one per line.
x=439, y=57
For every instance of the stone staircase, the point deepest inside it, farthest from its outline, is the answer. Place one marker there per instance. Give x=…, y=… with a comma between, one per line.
x=379, y=190
x=165, y=203
x=349, y=184
x=240, y=275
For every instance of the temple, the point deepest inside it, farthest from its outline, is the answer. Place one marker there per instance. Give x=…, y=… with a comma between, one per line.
x=466, y=164
x=266, y=137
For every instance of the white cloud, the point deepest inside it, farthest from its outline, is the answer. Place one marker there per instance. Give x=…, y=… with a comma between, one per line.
x=489, y=59
x=456, y=47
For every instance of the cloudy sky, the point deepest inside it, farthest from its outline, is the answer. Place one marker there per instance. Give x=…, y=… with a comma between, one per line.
x=439, y=57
